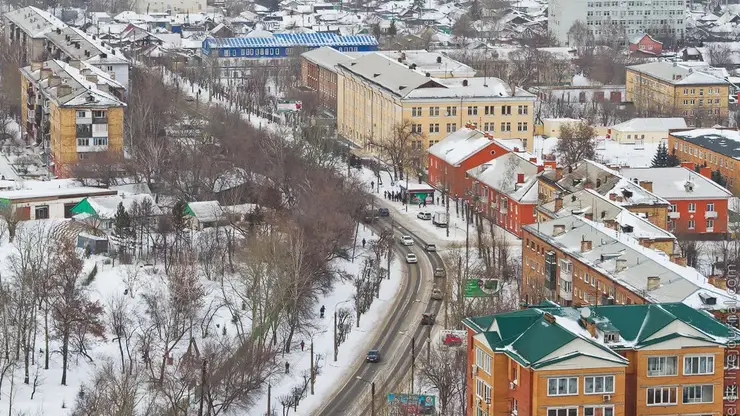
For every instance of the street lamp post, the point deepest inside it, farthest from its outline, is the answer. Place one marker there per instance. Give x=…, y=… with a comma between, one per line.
x=372, y=394
x=408, y=195
x=336, y=346
x=413, y=357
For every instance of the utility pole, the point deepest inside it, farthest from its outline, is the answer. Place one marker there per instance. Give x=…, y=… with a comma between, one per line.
x=313, y=375
x=372, y=399
x=202, y=388
x=335, y=335
x=429, y=347
x=413, y=362
x=269, y=393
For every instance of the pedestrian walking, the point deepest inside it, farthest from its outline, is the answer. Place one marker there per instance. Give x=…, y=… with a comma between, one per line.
x=385, y=194
x=437, y=200
x=287, y=367
x=322, y=310
x=303, y=344
x=363, y=243
x=372, y=185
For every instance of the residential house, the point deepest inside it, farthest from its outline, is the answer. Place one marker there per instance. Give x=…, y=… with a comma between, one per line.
x=26, y=29
x=698, y=204
x=716, y=148
x=640, y=131
x=43, y=200
x=100, y=211
x=645, y=44
x=549, y=360
x=206, y=214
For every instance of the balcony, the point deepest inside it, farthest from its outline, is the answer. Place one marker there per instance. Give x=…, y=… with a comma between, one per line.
x=92, y=149
x=674, y=215
x=84, y=130
x=710, y=214
x=566, y=295
x=504, y=210
x=100, y=120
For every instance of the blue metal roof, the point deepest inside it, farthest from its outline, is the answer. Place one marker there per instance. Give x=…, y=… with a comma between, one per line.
x=313, y=40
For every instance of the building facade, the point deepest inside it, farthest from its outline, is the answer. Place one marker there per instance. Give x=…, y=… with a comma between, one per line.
x=606, y=361
x=679, y=90
x=71, y=113
x=605, y=18
x=377, y=94
x=170, y=6
x=714, y=148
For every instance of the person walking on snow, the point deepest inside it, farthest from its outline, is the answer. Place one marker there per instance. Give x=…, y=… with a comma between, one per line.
x=303, y=344
x=322, y=310
x=363, y=243
x=287, y=367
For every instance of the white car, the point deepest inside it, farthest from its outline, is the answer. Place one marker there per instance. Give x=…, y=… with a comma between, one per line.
x=424, y=215
x=406, y=240
x=411, y=258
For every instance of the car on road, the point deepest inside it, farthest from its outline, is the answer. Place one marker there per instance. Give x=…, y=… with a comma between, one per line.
x=373, y=356
x=406, y=240
x=189, y=98
x=427, y=319
x=452, y=340
x=424, y=215
x=439, y=272
x=430, y=247
x=384, y=212
x=437, y=294
x=411, y=258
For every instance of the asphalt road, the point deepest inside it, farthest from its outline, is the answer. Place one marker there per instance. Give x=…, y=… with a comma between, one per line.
x=394, y=341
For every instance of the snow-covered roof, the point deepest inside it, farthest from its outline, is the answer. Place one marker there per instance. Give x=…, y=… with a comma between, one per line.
x=659, y=124
x=206, y=211
x=33, y=21
x=105, y=207
x=326, y=57
x=671, y=183
x=676, y=74
x=50, y=192
x=722, y=141
x=460, y=145
x=502, y=174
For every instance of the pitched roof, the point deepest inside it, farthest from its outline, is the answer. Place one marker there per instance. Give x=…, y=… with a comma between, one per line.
x=670, y=183
x=81, y=92
x=33, y=21
x=389, y=74
x=502, y=174
x=105, y=207
x=677, y=74
x=659, y=124
x=460, y=145
x=326, y=57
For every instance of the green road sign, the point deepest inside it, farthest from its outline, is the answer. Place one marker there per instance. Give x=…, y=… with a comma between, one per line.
x=479, y=288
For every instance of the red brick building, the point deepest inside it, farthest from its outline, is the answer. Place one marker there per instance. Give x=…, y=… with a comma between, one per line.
x=318, y=74
x=450, y=160
x=698, y=204
x=645, y=44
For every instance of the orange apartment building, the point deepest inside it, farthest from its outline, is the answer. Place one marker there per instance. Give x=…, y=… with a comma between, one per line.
x=623, y=360
x=716, y=148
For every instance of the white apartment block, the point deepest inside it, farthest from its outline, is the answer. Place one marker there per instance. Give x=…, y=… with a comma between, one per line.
x=635, y=16
x=172, y=6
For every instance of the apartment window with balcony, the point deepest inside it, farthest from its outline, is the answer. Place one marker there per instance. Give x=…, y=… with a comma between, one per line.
x=505, y=110
x=83, y=141
x=692, y=207
x=598, y=411
x=473, y=110
x=100, y=141
x=84, y=130
x=662, y=366
x=562, y=386
x=700, y=393
x=710, y=207
x=598, y=384
x=698, y=364
x=661, y=396
x=483, y=360
x=710, y=225
x=563, y=411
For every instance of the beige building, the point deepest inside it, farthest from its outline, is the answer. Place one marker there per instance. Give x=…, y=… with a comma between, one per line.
x=645, y=130
x=376, y=93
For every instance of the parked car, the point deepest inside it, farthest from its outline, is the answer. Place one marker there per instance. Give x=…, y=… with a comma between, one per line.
x=373, y=356
x=384, y=212
x=732, y=99
x=406, y=240
x=441, y=219
x=439, y=272
x=424, y=215
x=427, y=319
x=430, y=247
x=452, y=340
x=411, y=258
x=437, y=294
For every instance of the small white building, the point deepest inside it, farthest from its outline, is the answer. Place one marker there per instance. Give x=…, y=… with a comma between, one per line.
x=640, y=131
x=45, y=201
x=174, y=6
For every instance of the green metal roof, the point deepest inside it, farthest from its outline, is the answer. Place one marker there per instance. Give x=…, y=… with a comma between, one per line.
x=84, y=207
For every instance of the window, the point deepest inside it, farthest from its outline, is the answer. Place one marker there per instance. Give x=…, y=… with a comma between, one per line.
x=673, y=208
x=562, y=386
x=698, y=364
x=657, y=396
x=98, y=114
x=522, y=109
x=692, y=207
x=81, y=114
x=522, y=126
x=451, y=127
x=488, y=110
x=83, y=141
x=703, y=393
x=505, y=110
x=598, y=384
x=483, y=360
x=482, y=390
x=416, y=128
x=451, y=111
x=594, y=411
x=506, y=126
x=415, y=111
x=662, y=366
x=473, y=110
x=100, y=141
x=710, y=227
x=710, y=207
x=433, y=127
x=692, y=224
x=565, y=411
x=42, y=212
x=433, y=111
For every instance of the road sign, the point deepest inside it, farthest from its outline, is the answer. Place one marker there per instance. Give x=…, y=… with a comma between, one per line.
x=478, y=288
x=402, y=404
x=284, y=106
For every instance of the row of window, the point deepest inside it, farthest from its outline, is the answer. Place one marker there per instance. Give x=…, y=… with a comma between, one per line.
x=94, y=141
x=623, y=13
x=692, y=207
x=568, y=386
x=86, y=114
x=506, y=126
x=662, y=396
x=692, y=365
x=691, y=225
x=587, y=411
x=645, y=3
x=451, y=111
x=702, y=154
x=700, y=101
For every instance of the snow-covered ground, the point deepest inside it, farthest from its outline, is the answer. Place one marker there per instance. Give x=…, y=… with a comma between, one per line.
x=609, y=151
x=112, y=281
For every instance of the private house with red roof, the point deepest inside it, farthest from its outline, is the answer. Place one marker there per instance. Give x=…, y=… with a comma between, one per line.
x=645, y=44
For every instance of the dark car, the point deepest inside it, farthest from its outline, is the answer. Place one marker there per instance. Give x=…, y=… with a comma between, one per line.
x=373, y=356
x=384, y=212
x=427, y=319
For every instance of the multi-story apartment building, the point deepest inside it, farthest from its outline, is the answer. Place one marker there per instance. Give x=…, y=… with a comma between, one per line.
x=602, y=210
x=657, y=17
x=587, y=174
x=72, y=113
x=26, y=28
x=672, y=88
x=376, y=94
x=698, y=204
x=718, y=149
x=549, y=360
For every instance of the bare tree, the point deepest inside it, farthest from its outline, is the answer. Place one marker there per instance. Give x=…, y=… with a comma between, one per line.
x=576, y=142
x=401, y=148
x=446, y=373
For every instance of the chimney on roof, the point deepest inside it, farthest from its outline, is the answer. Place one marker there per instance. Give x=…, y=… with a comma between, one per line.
x=54, y=80
x=647, y=185
x=519, y=178
x=516, y=150
x=653, y=282
x=92, y=78
x=428, y=75
x=612, y=196
x=439, y=59
x=558, y=229
x=586, y=245
x=63, y=89
x=558, y=202
x=706, y=172
x=611, y=224
x=620, y=265
x=465, y=83
x=688, y=165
